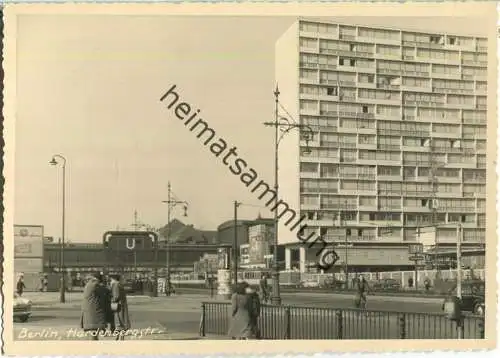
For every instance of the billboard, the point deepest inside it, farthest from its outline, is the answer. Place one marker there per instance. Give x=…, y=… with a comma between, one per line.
x=28, y=265
x=258, y=244
x=28, y=249
x=28, y=241
x=427, y=237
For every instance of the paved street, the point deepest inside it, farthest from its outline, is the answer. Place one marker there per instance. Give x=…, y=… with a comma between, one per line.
x=178, y=317
x=166, y=318
x=341, y=300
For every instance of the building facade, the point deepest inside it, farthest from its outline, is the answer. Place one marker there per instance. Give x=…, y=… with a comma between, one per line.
x=398, y=140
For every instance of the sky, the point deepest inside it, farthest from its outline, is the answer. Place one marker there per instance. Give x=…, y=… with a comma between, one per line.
x=88, y=87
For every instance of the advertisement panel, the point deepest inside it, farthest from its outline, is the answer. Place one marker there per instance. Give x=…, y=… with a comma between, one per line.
x=25, y=265
x=258, y=241
x=28, y=241
x=427, y=238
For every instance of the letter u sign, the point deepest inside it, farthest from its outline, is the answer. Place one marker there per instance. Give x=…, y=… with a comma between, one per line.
x=130, y=243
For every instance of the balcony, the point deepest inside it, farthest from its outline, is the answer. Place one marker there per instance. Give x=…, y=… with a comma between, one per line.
x=451, y=135
x=347, y=37
x=308, y=65
x=347, y=53
x=310, y=175
x=416, y=209
x=397, y=178
x=386, y=71
x=378, y=40
x=309, y=49
x=450, y=76
x=310, y=206
x=388, y=87
x=326, y=66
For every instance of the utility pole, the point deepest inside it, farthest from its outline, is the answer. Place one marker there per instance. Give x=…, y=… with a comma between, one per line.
x=284, y=125
x=171, y=203
x=235, y=243
x=460, y=233
x=434, y=189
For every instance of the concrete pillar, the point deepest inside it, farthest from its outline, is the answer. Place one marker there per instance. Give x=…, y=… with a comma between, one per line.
x=302, y=259
x=288, y=258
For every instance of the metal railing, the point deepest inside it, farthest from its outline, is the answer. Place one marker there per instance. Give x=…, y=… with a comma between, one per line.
x=295, y=322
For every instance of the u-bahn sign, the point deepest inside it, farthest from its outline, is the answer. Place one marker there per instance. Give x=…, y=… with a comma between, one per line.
x=131, y=248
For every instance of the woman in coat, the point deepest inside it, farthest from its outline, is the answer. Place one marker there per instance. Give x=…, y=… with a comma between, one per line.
x=96, y=307
x=120, y=306
x=240, y=326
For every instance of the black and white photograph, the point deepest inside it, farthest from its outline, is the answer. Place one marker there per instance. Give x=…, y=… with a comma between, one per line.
x=201, y=174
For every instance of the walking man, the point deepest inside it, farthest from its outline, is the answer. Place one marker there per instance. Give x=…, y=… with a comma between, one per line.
x=119, y=306
x=264, y=288
x=96, y=307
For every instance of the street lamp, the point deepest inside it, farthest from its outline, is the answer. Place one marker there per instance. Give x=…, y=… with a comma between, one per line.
x=171, y=203
x=284, y=125
x=62, y=291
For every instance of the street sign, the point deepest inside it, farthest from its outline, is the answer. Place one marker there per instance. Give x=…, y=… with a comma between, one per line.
x=416, y=257
x=415, y=249
x=131, y=248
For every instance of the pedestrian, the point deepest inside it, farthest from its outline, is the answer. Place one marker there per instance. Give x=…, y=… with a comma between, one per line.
x=240, y=326
x=20, y=286
x=361, y=292
x=96, y=307
x=119, y=306
x=264, y=288
x=254, y=311
x=427, y=284
x=410, y=282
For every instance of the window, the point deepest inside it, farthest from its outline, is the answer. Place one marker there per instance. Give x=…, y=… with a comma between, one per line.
x=341, y=61
x=308, y=43
x=367, y=201
x=332, y=91
x=308, y=105
x=391, y=171
x=352, y=62
x=308, y=167
x=308, y=74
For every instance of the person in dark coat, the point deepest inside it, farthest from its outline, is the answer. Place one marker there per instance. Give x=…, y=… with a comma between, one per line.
x=240, y=326
x=254, y=311
x=20, y=285
x=119, y=306
x=96, y=307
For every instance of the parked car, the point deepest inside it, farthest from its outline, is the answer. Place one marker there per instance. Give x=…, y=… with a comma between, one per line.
x=331, y=282
x=309, y=283
x=22, y=308
x=386, y=284
x=472, y=297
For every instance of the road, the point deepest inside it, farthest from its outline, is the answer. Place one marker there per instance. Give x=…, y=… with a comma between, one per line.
x=171, y=318
x=342, y=300
x=178, y=317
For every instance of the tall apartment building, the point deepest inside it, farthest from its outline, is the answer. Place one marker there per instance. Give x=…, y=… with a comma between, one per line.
x=399, y=136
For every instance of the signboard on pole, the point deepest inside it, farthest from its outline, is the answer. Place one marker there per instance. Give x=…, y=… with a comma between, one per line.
x=28, y=248
x=416, y=257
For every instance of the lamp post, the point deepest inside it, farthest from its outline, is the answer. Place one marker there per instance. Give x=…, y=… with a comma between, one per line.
x=235, y=243
x=62, y=290
x=171, y=203
x=284, y=125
